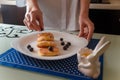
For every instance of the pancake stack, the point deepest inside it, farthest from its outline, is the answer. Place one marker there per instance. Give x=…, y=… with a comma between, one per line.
x=47, y=45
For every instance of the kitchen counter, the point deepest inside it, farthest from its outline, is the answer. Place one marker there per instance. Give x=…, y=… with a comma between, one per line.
x=111, y=66
x=111, y=6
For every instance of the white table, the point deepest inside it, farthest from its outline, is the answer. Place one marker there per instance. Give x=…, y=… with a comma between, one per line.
x=111, y=69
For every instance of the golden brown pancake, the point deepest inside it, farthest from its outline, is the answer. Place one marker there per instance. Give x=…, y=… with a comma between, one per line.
x=46, y=36
x=42, y=44
x=47, y=52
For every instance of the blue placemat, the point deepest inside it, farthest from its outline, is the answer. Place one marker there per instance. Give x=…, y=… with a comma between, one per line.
x=63, y=68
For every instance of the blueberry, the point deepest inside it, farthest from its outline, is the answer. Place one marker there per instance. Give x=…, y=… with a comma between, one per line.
x=50, y=48
x=31, y=49
x=64, y=48
x=61, y=39
x=68, y=43
x=62, y=43
x=28, y=46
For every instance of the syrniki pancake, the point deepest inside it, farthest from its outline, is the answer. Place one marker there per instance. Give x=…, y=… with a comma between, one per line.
x=47, y=52
x=46, y=36
x=42, y=44
x=46, y=45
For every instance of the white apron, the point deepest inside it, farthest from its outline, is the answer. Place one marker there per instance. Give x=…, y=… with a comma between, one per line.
x=60, y=14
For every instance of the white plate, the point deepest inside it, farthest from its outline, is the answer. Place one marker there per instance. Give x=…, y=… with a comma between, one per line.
x=21, y=43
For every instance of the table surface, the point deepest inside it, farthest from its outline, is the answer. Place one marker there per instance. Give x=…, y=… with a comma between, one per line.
x=111, y=70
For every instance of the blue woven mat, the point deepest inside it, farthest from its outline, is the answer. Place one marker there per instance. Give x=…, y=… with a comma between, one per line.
x=63, y=68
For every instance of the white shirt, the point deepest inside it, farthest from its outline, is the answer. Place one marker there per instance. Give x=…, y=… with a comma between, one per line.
x=58, y=14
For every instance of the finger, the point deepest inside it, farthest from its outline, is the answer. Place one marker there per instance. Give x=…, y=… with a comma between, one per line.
x=28, y=24
x=89, y=36
x=41, y=25
x=36, y=27
x=34, y=22
x=81, y=33
x=91, y=30
x=27, y=17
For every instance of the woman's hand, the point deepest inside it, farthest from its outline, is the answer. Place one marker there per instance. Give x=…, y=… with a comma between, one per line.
x=86, y=27
x=33, y=17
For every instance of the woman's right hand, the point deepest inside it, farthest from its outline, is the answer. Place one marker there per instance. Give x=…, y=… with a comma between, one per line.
x=34, y=19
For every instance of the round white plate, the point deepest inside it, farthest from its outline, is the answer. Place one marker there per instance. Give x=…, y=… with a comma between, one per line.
x=21, y=44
